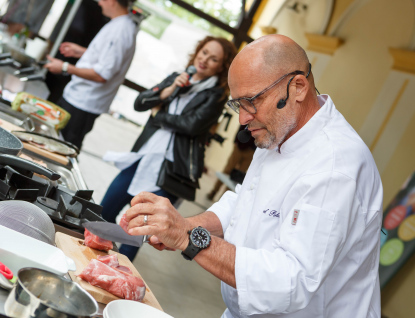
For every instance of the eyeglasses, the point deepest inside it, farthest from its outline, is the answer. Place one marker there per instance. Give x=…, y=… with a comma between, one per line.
x=247, y=102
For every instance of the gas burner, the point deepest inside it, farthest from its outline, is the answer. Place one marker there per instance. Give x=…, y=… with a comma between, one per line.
x=64, y=206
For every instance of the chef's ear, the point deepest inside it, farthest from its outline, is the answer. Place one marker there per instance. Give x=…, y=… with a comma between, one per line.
x=301, y=87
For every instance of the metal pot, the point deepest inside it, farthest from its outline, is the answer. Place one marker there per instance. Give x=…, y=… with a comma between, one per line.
x=42, y=294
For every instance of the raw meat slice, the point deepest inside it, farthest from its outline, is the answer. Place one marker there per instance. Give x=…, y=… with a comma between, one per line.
x=124, y=223
x=124, y=269
x=96, y=242
x=110, y=260
x=116, y=282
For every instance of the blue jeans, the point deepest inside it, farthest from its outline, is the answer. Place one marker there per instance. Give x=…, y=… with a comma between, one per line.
x=117, y=197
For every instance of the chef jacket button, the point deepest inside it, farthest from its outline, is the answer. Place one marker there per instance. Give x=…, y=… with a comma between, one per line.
x=231, y=223
x=252, y=187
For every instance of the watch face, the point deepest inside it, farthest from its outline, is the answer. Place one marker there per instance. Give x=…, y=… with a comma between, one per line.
x=200, y=237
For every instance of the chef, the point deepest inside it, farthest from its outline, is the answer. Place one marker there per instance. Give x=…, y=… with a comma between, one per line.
x=301, y=236
x=99, y=71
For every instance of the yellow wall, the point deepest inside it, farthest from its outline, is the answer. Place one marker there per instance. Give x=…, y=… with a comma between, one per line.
x=363, y=63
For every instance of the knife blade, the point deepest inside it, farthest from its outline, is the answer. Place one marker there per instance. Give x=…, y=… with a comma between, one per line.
x=114, y=232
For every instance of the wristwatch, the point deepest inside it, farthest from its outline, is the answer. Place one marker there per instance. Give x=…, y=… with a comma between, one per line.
x=199, y=239
x=65, y=68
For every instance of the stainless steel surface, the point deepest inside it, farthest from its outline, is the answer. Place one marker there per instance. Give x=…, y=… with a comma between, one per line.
x=3, y=296
x=41, y=128
x=77, y=174
x=39, y=293
x=5, y=283
x=13, y=84
x=16, y=118
x=69, y=176
x=114, y=232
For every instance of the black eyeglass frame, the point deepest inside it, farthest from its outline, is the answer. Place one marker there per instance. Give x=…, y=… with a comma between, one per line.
x=250, y=100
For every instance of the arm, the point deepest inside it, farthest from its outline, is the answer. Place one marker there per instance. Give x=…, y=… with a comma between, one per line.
x=69, y=49
x=170, y=229
x=151, y=97
x=55, y=66
x=199, y=119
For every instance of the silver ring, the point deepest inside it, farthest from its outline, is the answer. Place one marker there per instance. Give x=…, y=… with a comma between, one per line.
x=145, y=219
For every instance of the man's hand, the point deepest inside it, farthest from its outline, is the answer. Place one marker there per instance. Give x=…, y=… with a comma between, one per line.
x=54, y=65
x=69, y=49
x=168, y=227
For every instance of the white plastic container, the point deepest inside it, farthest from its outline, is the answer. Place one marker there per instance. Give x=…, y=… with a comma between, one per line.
x=132, y=309
x=18, y=250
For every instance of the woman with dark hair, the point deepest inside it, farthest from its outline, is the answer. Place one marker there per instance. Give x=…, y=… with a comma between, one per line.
x=183, y=108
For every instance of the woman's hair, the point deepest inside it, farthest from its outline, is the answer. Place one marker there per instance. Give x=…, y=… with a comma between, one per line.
x=229, y=52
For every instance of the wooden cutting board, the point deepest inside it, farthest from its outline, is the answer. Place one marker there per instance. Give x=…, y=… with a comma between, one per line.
x=75, y=249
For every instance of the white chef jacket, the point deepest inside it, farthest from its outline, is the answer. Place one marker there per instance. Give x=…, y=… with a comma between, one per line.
x=323, y=260
x=109, y=54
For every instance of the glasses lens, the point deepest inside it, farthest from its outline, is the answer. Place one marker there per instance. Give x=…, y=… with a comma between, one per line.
x=234, y=105
x=247, y=106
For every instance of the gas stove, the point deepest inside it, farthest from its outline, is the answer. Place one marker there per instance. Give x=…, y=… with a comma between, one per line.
x=66, y=207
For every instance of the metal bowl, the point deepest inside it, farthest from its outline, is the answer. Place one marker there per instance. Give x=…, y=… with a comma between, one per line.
x=39, y=293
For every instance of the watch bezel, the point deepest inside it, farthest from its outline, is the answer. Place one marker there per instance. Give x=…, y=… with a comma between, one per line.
x=201, y=229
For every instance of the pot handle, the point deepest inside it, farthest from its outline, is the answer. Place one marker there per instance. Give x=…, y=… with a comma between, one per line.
x=22, y=163
x=71, y=264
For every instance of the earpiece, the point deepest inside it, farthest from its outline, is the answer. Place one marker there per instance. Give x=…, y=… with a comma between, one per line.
x=282, y=102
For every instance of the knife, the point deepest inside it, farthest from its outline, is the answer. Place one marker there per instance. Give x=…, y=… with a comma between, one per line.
x=114, y=232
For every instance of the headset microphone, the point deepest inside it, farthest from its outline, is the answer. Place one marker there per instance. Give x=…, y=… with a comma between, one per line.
x=283, y=101
x=244, y=135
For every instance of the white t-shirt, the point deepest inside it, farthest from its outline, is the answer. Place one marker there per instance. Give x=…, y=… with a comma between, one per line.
x=110, y=54
x=321, y=261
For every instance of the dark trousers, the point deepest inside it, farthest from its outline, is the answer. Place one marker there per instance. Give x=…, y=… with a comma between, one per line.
x=80, y=123
x=117, y=197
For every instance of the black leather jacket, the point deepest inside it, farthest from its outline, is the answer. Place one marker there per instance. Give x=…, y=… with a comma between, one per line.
x=191, y=126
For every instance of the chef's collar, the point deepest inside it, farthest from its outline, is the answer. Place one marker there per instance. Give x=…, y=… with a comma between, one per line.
x=319, y=120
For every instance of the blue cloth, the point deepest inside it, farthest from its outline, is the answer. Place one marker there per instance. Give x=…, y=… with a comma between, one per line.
x=117, y=197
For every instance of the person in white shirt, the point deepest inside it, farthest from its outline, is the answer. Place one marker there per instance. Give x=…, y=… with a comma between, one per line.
x=99, y=71
x=301, y=236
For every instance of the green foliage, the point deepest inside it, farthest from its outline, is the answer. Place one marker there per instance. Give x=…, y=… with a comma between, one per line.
x=227, y=11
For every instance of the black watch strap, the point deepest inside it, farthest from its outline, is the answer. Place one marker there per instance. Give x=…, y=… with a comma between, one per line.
x=191, y=251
